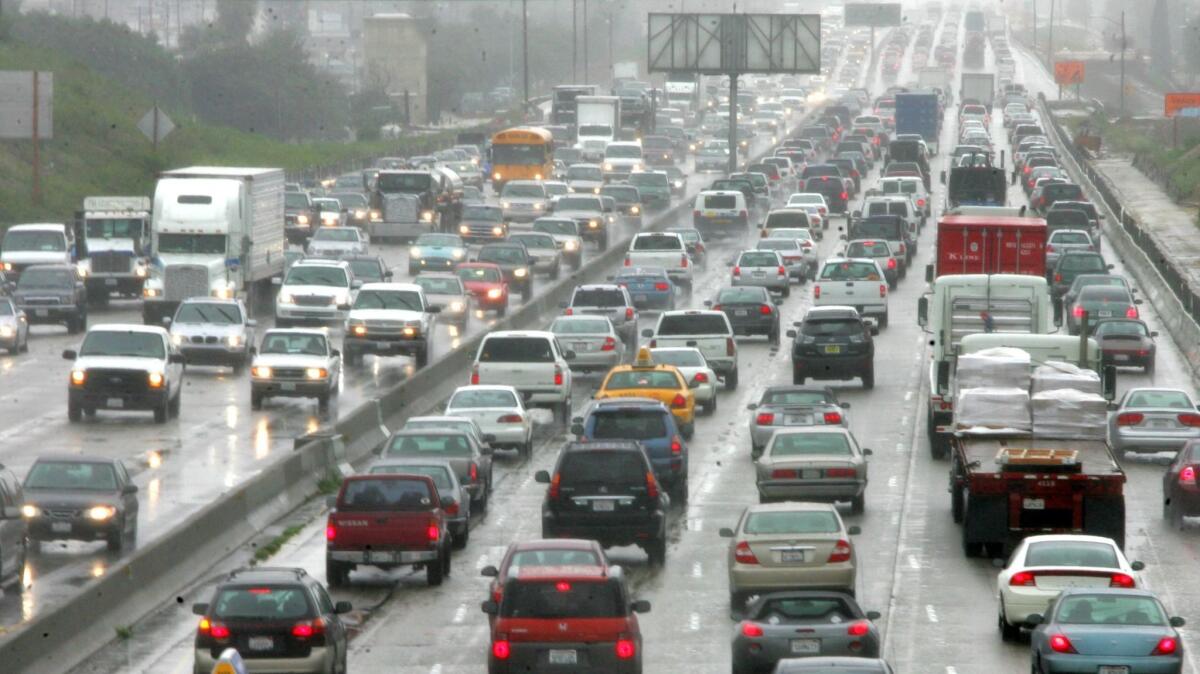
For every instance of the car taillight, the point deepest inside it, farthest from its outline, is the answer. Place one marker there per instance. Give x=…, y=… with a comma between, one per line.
x=833, y=417
x=841, y=552
x=1166, y=646
x=568, y=312
x=214, y=629
x=751, y=630
x=742, y=554
x=695, y=214
x=839, y=472
x=552, y=492
x=679, y=402
x=609, y=344
x=859, y=628
x=510, y=419
x=558, y=376
x=626, y=649
x=883, y=290
x=782, y=271
x=433, y=532
x=451, y=509
x=1131, y=312
x=1130, y=419
x=653, y=343
x=475, y=377
x=821, y=210
x=1022, y=579
x=676, y=445
x=903, y=249
x=651, y=485
x=306, y=629
x=1049, y=248
x=921, y=203
x=683, y=261
x=737, y=270
x=501, y=649
x=1187, y=475
x=1028, y=169
x=845, y=195
x=662, y=286
x=1061, y=644
x=766, y=309
x=1058, y=278
x=1077, y=312
x=891, y=263
x=700, y=378
x=764, y=419
x=1121, y=580
x=730, y=347
x=743, y=214
x=816, y=292
x=785, y=474
x=628, y=262
x=330, y=532
x=1192, y=419
x=473, y=472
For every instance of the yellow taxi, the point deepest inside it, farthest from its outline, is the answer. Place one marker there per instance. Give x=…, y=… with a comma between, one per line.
x=646, y=379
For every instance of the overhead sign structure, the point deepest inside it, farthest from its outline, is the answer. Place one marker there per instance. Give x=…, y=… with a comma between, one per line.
x=734, y=44
x=873, y=14
x=1068, y=72
x=1175, y=102
x=20, y=101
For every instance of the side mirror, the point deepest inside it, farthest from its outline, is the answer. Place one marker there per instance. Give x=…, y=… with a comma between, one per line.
x=200, y=608
x=486, y=450
x=844, y=406
x=489, y=438
x=647, y=333
x=356, y=284
x=929, y=273
x=752, y=406
x=433, y=310
x=541, y=477
x=856, y=214
x=1176, y=621
x=1137, y=301
x=707, y=303
x=252, y=323
x=344, y=307
x=166, y=321
x=276, y=281
x=1137, y=566
x=489, y=571
x=490, y=607
x=129, y=489
x=923, y=309
x=577, y=430
x=69, y=354
x=335, y=353
x=791, y=333
x=854, y=530
x=640, y=606
x=448, y=501
x=568, y=355
x=343, y=607
x=1035, y=619
x=867, y=451
x=1153, y=333
x=253, y=351
x=175, y=358
x=1109, y=266
x=725, y=532
x=873, y=615
x=388, y=274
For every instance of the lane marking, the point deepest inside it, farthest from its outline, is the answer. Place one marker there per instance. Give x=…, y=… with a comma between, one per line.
x=437, y=669
x=908, y=396
x=695, y=524
x=900, y=447
x=694, y=622
x=697, y=570
x=460, y=614
x=951, y=670
x=913, y=563
x=892, y=482
x=904, y=420
x=931, y=613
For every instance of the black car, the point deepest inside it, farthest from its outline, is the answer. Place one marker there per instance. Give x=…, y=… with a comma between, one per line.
x=368, y=268
x=1075, y=263
x=832, y=343
x=1181, y=488
x=356, y=208
x=1125, y=342
x=53, y=294
x=751, y=311
x=1049, y=194
x=780, y=624
x=299, y=217
x=606, y=491
x=281, y=619
x=516, y=263
x=81, y=498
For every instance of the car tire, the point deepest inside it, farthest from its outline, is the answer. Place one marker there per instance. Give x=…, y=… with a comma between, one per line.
x=858, y=504
x=422, y=357
x=526, y=450
x=337, y=574
x=459, y=542
x=1008, y=631
x=868, y=378
x=883, y=322
x=480, y=504
x=710, y=408
x=688, y=430
x=787, y=291
x=435, y=571
x=116, y=540
x=502, y=310
x=25, y=344
x=175, y=404
x=162, y=412
x=74, y=411
x=773, y=337
x=323, y=401
x=554, y=273
x=1173, y=515
x=731, y=380
x=1149, y=369
x=256, y=400
x=656, y=551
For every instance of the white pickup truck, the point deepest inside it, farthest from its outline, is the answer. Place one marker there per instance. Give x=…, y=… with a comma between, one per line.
x=531, y=361
x=853, y=282
x=667, y=250
x=708, y=331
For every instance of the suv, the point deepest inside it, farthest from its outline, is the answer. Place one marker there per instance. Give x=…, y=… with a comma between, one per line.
x=52, y=293
x=295, y=363
x=315, y=290
x=211, y=331
x=651, y=425
x=832, y=343
x=281, y=618
x=589, y=213
x=516, y=263
x=299, y=217
x=606, y=490
x=721, y=212
x=608, y=300
x=532, y=362
x=523, y=200
x=125, y=367
x=573, y=617
x=389, y=318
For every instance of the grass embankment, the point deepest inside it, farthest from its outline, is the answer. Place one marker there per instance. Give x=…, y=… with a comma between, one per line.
x=1177, y=168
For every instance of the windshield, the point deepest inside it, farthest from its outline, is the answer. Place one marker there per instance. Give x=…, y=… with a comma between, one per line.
x=693, y=324
x=588, y=326
x=348, y=200
x=1082, y=263
x=594, y=130
x=678, y=357
x=533, y=240
x=525, y=190
x=1072, y=553
x=341, y=234
x=649, y=180
x=562, y=599
x=327, y=204
x=439, y=474
x=208, y=313
x=585, y=173
x=516, y=350
x=1109, y=609
x=405, y=300
x=71, y=476
x=868, y=249
x=441, y=443
x=556, y=227
x=115, y=228
x=622, y=194
x=509, y=254
x=726, y=202
x=795, y=398
x=578, y=204
x=317, y=275
x=122, y=343
x=46, y=277
x=262, y=603
x=743, y=295
x=6, y=307
x=33, y=240
x=189, y=244
x=519, y=155
x=482, y=213
x=850, y=271
x=809, y=444
x=623, y=152
x=479, y=274
x=440, y=285
x=793, y=522
x=366, y=270
x=390, y=493
x=403, y=182
x=294, y=344
x=291, y=200
x=482, y=398
x=641, y=379
x=805, y=610
x=629, y=425
x=798, y=219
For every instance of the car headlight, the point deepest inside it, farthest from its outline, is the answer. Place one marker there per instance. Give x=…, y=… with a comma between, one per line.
x=360, y=214
x=635, y=209
x=177, y=340
x=225, y=293
x=410, y=331
x=498, y=230
x=678, y=184
x=595, y=190
x=141, y=272
x=155, y=380
x=234, y=340
x=608, y=166
x=505, y=204
x=426, y=216
x=692, y=147
x=636, y=167
x=30, y=511
x=463, y=229
x=316, y=373
x=330, y=222
x=457, y=307
x=301, y=219
x=496, y=175
x=82, y=269
x=414, y=251
x=593, y=224
x=538, y=206
x=358, y=329
x=286, y=298
x=151, y=292
x=101, y=513
x=494, y=293
x=571, y=189
x=571, y=245
x=376, y=216
x=78, y=377
x=520, y=273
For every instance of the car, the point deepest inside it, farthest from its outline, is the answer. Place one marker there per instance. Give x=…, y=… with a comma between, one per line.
x=882, y=253
x=516, y=263
x=283, y=612
x=523, y=200
x=335, y=242
x=436, y=252
x=750, y=310
x=543, y=251
x=482, y=223
x=318, y=291
x=628, y=200
x=356, y=208
x=500, y=413
x=461, y=448
x=566, y=237
x=533, y=362
x=609, y=300
x=299, y=216
x=597, y=346
x=693, y=240
x=1153, y=420
x=805, y=199
x=1180, y=493
x=1096, y=303
x=809, y=623
x=813, y=463
x=648, y=288
x=52, y=294
x=764, y=268
x=789, y=546
x=1084, y=280
x=389, y=319
x=447, y=293
x=368, y=268
x=645, y=378
x=541, y=552
x=651, y=424
x=329, y=212
x=1125, y=342
x=1122, y=628
x=721, y=213
x=486, y=283
x=585, y=178
x=695, y=370
x=783, y=407
x=564, y=616
x=79, y=497
x=212, y=331
x=1044, y=197
x=590, y=213
x=125, y=367
x=840, y=663
x=622, y=158
x=455, y=499
x=14, y=327
x=606, y=491
x=294, y=363
x=654, y=187
x=798, y=258
x=677, y=179
x=1042, y=566
x=708, y=330
x=1062, y=240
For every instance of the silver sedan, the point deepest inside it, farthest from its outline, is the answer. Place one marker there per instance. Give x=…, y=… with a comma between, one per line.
x=547, y=258
x=763, y=268
x=1153, y=420
x=14, y=327
x=597, y=346
x=813, y=464
x=790, y=406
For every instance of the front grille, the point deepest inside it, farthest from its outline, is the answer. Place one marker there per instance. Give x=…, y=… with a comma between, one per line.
x=313, y=300
x=111, y=263
x=62, y=513
x=287, y=373
x=204, y=340
x=480, y=229
x=181, y=281
x=385, y=325
x=41, y=301
x=116, y=381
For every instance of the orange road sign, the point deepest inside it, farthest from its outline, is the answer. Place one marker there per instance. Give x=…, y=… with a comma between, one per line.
x=1068, y=72
x=1173, y=103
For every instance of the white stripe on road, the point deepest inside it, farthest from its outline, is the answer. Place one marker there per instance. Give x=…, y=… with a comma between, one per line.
x=931, y=613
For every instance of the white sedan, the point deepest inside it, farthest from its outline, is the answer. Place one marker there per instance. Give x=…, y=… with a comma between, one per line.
x=499, y=412
x=1043, y=566
x=695, y=370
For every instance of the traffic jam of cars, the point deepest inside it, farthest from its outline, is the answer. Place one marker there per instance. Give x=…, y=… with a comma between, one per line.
x=748, y=440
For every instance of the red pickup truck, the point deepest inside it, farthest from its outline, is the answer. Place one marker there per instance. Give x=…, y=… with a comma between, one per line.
x=387, y=520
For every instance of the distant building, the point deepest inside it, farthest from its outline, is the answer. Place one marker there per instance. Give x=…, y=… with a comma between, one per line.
x=395, y=59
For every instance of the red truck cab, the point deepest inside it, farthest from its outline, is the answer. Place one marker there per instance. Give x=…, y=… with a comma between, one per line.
x=387, y=521
x=980, y=244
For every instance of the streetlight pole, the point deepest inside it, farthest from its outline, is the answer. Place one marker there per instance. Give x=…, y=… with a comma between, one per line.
x=1122, y=63
x=1050, y=39
x=574, y=41
x=587, y=73
x=525, y=53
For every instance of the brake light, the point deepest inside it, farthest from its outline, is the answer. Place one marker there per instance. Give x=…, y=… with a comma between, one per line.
x=883, y=290
x=839, y=472
x=552, y=492
x=742, y=554
x=1028, y=169
x=841, y=552
x=782, y=271
x=765, y=309
x=921, y=203
x=716, y=307
x=660, y=287
x=858, y=628
x=679, y=402
x=854, y=173
x=651, y=485
x=1130, y=419
x=1022, y=579
x=475, y=376
x=569, y=311
x=737, y=271
x=330, y=532
x=700, y=378
x=903, y=249
x=609, y=344
x=821, y=210
x=653, y=343
x=558, y=376
x=1122, y=580
x=501, y=649
x=683, y=261
x=743, y=214
x=730, y=346
x=1058, y=278
x=1192, y=419
x=1131, y=312
x=626, y=649
x=629, y=313
x=845, y=195
x=676, y=445
x=784, y=474
x=308, y=628
x=1166, y=646
x=509, y=419
x=433, y=532
x=833, y=417
x=1049, y=248
x=1061, y=644
x=473, y=472
x=891, y=263
x=451, y=509
x=695, y=214
x=628, y=262
x=751, y=630
x=816, y=292
x=1077, y=312
x=214, y=630
x=1187, y=475
x=765, y=419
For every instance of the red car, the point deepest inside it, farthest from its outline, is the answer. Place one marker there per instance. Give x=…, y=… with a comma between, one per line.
x=542, y=552
x=485, y=281
x=566, y=617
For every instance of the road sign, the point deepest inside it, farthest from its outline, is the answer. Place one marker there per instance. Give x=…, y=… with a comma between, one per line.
x=18, y=104
x=873, y=14
x=1068, y=72
x=1173, y=103
x=155, y=125
x=731, y=44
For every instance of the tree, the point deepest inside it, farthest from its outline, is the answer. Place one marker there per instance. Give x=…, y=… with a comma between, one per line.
x=235, y=19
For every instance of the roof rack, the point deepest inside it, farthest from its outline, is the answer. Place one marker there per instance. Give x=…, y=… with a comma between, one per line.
x=295, y=570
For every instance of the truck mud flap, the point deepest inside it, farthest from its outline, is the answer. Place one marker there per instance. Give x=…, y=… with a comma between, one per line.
x=985, y=525
x=1105, y=517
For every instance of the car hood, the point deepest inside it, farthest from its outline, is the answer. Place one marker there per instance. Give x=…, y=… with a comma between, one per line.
x=455, y=252
x=386, y=315
x=579, y=214
x=63, y=498
x=289, y=360
x=119, y=363
x=327, y=291
x=207, y=329
x=34, y=257
x=22, y=293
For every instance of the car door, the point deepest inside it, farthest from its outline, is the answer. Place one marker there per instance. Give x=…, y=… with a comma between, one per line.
x=333, y=621
x=12, y=531
x=129, y=498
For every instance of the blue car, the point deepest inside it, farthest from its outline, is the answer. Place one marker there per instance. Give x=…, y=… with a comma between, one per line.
x=648, y=422
x=650, y=287
x=1102, y=630
x=436, y=252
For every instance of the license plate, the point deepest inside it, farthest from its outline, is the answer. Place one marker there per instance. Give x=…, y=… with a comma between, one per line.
x=604, y=507
x=1121, y=357
x=760, y=274
x=640, y=298
x=740, y=312
x=1033, y=504
x=563, y=657
x=833, y=348
x=806, y=646
x=580, y=346
x=1112, y=669
x=287, y=386
x=110, y=282
x=114, y=403
x=710, y=214
x=260, y=643
x=60, y=527
x=791, y=556
x=810, y=474
x=41, y=312
x=1104, y=314
x=798, y=420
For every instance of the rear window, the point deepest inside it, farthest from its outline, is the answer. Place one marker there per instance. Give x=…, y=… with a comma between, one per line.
x=792, y=522
x=516, y=350
x=1082, y=263
x=1071, y=238
x=262, y=603
x=726, y=202
x=1067, y=216
x=885, y=228
x=794, y=397
x=778, y=244
x=385, y=494
x=834, y=328
x=743, y=295
x=693, y=324
x=668, y=242
x=850, y=271
x=805, y=610
x=439, y=474
x=1143, y=399
x=604, y=467
x=598, y=297
x=441, y=444
x=629, y=425
x=809, y=444
x=483, y=398
x=887, y=208
x=786, y=219
x=566, y=326
x=1071, y=553
x=868, y=249
x=562, y=557
x=678, y=357
x=642, y=379
x=562, y=599
x=759, y=259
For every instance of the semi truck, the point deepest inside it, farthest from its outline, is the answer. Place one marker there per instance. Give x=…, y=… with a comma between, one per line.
x=979, y=87
x=114, y=257
x=215, y=231
x=976, y=244
x=598, y=121
x=920, y=113
x=974, y=181
x=563, y=106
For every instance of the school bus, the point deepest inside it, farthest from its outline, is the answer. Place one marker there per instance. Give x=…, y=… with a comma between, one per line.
x=523, y=153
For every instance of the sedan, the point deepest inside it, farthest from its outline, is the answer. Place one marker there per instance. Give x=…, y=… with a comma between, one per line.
x=781, y=407
x=455, y=500
x=597, y=346
x=485, y=282
x=472, y=462
x=1098, y=303
x=1153, y=420
x=813, y=464
x=449, y=295
x=835, y=664
x=547, y=259
x=1042, y=566
x=1181, y=491
x=566, y=237
x=649, y=287
x=80, y=498
x=807, y=623
x=1109, y=631
x=1062, y=240
x=751, y=311
x=14, y=327
x=436, y=252
x=499, y=412
x=799, y=266
x=764, y=268
x=1126, y=342
x=338, y=242
x=789, y=546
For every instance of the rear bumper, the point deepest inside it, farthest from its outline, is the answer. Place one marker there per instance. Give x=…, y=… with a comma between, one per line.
x=812, y=490
x=1142, y=442
x=1090, y=664
x=591, y=658
x=319, y=660
x=53, y=313
x=377, y=556
x=608, y=532
x=831, y=368
x=743, y=577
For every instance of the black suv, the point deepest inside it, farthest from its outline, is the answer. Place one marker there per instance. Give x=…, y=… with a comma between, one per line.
x=751, y=311
x=605, y=490
x=832, y=343
x=53, y=293
x=514, y=261
x=277, y=618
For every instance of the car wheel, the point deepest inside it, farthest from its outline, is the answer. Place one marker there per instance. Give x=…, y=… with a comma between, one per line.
x=256, y=400
x=337, y=574
x=868, y=378
x=883, y=322
x=116, y=539
x=25, y=343
x=175, y=404
x=162, y=412
x=435, y=571
x=460, y=541
x=74, y=411
x=1008, y=631
x=688, y=430
x=502, y=310
x=480, y=504
x=323, y=401
x=1173, y=514
x=656, y=550
x=422, y=357
x=787, y=291
x=526, y=449
x=710, y=408
x=858, y=504
x=554, y=273
x=1150, y=368
x=731, y=380
x=773, y=338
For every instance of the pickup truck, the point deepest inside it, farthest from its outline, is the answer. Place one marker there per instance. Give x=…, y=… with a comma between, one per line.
x=853, y=282
x=387, y=520
x=708, y=331
x=125, y=367
x=389, y=318
x=531, y=361
x=661, y=249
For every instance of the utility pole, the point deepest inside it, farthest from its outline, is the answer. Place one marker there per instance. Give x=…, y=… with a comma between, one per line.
x=1050, y=39
x=587, y=73
x=525, y=52
x=1122, y=63
x=574, y=41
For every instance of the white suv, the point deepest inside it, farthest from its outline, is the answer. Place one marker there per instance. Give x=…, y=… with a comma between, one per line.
x=531, y=361
x=389, y=318
x=621, y=159
x=315, y=291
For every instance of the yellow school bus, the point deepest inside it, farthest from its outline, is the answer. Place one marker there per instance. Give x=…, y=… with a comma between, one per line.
x=523, y=153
